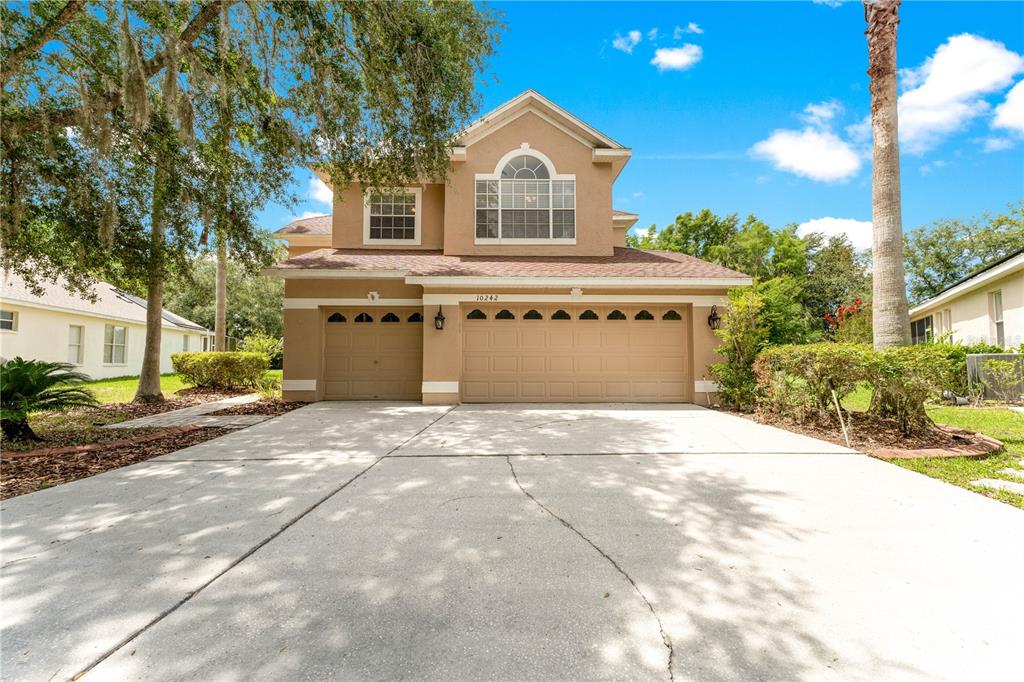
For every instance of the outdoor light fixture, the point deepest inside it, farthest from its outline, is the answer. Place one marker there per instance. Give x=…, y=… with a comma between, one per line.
x=439, y=319
x=714, y=321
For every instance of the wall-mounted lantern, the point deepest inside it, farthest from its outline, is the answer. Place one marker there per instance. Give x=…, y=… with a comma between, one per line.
x=714, y=320
x=439, y=319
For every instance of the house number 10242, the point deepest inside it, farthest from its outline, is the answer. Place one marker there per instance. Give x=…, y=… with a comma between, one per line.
x=487, y=297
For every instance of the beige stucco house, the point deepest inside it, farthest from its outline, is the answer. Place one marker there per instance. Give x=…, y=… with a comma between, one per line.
x=103, y=338
x=509, y=282
x=986, y=307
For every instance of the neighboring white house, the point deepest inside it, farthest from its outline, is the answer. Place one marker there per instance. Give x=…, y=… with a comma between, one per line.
x=103, y=339
x=986, y=307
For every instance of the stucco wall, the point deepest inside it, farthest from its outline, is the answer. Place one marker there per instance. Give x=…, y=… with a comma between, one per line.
x=348, y=219
x=971, y=315
x=43, y=335
x=569, y=156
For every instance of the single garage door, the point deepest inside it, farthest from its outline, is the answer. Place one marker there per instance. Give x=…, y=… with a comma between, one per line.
x=373, y=354
x=560, y=353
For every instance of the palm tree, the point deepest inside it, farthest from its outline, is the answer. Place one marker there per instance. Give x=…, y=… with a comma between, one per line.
x=890, y=316
x=33, y=385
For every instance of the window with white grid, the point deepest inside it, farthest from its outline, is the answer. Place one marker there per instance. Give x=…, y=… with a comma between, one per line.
x=524, y=202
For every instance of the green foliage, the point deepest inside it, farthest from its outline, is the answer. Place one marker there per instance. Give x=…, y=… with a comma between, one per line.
x=33, y=385
x=220, y=370
x=903, y=378
x=267, y=345
x=798, y=380
x=255, y=302
x=1002, y=378
x=851, y=323
x=941, y=254
x=269, y=386
x=956, y=353
x=783, y=316
x=743, y=336
x=836, y=274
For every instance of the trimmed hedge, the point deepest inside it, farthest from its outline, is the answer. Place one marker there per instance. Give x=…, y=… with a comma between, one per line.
x=220, y=370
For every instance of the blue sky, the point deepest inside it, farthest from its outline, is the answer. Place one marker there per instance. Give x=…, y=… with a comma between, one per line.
x=761, y=107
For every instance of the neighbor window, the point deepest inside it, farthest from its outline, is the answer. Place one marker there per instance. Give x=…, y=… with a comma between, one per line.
x=525, y=203
x=996, y=305
x=392, y=217
x=76, y=335
x=115, y=340
x=8, y=320
x=184, y=343
x=921, y=330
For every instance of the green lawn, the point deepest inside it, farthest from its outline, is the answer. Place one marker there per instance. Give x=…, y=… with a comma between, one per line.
x=122, y=389
x=1005, y=425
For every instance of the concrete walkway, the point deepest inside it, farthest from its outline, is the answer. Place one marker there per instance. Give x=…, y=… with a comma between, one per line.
x=383, y=541
x=198, y=415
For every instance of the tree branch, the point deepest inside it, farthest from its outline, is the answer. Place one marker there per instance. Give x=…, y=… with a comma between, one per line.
x=33, y=43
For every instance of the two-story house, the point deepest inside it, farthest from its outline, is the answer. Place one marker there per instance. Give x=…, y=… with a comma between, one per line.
x=509, y=282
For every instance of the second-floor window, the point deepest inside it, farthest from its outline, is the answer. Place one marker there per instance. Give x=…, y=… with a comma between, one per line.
x=392, y=217
x=525, y=202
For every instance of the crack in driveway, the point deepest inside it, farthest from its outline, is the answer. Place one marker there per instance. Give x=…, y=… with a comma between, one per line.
x=650, y=607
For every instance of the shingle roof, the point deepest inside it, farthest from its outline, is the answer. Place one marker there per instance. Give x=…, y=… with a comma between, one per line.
x=624, y=263
x=616, y=211
x=110, y=302
x=318, y=224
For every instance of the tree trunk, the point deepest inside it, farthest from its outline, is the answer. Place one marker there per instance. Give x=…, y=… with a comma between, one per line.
x=890, y=315
x=220, y=328
x=149, y=377
x=18, y=431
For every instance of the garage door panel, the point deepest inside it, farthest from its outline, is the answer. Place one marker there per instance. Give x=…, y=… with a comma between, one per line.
x=373, y=360
x=575, y=360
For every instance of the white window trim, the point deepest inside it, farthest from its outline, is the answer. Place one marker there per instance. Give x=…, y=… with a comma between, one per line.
x=81, y=343
x=15, y=319
x=115, y=364
x=418, y=227
x=523, y=150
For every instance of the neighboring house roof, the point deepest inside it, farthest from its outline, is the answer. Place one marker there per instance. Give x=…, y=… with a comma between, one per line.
x=625, y=263
x=616, y=212
x=111, y=303
x=1009, y=264
x=317, y=224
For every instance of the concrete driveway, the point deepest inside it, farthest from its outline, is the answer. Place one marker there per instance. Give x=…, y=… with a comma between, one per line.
x=384, y=541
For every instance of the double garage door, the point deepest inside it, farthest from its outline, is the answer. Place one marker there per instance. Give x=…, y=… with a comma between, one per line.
x=537, y=353
x=373, y=353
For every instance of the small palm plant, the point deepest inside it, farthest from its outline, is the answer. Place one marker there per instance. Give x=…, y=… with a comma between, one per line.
x=33, y=385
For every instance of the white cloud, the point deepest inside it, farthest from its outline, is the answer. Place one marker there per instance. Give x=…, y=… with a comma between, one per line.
x=652, y=35
x=857, y=231
x=948, y=89
x=816, y=154
x=1010, y=114
x=820, y=114
x=677, y=58
x=638, y=195
x=998, y=144
x=627, y=42
x=318, y=191
x=829, y=3
x=691, y=27
x=935, y=165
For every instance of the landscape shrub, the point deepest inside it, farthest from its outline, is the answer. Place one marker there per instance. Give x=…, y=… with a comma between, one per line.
x=903, y=378
x=957, y=353
x=851, y=323
x=797, y=380
x=259, y=342
x=1002, y=378
x=34, y=386
x=269, y=386
x=743, y=336
x=220, y=370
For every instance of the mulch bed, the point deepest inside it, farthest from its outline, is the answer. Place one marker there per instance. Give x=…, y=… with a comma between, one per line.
x=272, y=407
x=28, y=472
x=882, y=438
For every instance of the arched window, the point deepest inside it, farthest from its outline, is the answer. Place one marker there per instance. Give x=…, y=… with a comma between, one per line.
x=390, y=317
x=336, y=317
x=533, y=315
x=671, y=315
x=588, y=315
x=505, y=315
x=643, y=315
x=476, y=314
x=616, y=315
x=363, y=318
x=560, y=315
x=522, y=201
x=415, y=317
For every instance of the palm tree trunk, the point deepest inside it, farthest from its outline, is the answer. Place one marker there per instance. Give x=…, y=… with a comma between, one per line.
x=149, y=378
x=220, y=326
x=890, y=316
